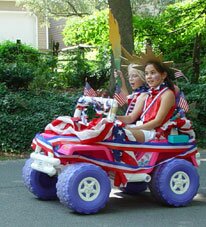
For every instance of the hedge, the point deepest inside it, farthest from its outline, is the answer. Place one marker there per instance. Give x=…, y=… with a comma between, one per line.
x=25, y=113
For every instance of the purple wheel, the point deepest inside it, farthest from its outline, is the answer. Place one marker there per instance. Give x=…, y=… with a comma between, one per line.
x=84, y=188
x=175, y=183
x=152, y=186
x=40, y=184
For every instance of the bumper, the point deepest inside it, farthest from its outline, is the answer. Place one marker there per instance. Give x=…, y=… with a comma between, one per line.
x=45, y=164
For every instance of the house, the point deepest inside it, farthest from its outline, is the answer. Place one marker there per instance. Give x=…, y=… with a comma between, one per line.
x=18, y=24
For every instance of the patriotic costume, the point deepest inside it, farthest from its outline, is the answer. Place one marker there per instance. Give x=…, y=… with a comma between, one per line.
x=151, y=107
x=133, y=98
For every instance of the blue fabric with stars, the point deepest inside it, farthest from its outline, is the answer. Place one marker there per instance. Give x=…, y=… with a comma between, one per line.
x=118, y=136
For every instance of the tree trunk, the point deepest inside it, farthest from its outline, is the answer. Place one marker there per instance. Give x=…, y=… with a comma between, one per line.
x=196, y=58
x=121, y=10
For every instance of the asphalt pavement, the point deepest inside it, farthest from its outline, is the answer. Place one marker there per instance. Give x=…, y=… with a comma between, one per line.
x=20, y=208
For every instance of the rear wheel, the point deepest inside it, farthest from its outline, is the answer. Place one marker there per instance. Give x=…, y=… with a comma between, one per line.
x=175, y=183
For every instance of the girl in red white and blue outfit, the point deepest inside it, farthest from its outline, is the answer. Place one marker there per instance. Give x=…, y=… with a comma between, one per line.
x=155, y=108
x=137, y=82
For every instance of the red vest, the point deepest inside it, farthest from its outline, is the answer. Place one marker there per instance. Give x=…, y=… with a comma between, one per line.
x=152, y=111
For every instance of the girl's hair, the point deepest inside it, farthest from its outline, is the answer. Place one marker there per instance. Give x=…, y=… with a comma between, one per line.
x=131, y=67
x=161, y=69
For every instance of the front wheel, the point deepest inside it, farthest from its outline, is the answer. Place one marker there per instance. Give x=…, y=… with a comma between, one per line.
x=40, y=184
x=175, y=183
x=84, y=188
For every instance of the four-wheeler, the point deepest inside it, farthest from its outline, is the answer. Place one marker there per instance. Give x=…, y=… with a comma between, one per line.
x=81, y=173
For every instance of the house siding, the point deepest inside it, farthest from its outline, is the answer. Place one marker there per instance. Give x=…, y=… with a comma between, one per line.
x=55, y=32
x=9, y=6
x=42, y=32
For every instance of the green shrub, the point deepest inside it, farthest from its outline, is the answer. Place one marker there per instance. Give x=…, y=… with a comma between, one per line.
x=17, y=64
x=23, y=67
x=16, y=75
x=11, y=52
x=25, y=113
x=196, y=96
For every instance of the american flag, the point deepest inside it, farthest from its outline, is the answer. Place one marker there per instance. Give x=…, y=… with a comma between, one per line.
x=179, y=74
x=120, y=96
x=89, y=91
x=183, y=104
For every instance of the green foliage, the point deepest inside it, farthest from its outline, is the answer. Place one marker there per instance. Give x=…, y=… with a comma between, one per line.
x=17, y=64
x=11, y=52
x=23, y=114
x=16, y=75
x=91, y=30
x=23, y=67
x=76, y=67
x=196, y=96
x=60, y=8
x=173, y=32
x=76, y=70
x=45, y=71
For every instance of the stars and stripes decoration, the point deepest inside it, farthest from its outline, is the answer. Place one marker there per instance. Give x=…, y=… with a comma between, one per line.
x=129, y=156
x=131, y=104
x=89, y=91
x=182, y=103
x=120, y=96
x=130, y=166
x=179, y=74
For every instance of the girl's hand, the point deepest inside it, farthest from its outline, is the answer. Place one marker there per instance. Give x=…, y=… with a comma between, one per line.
x=118, y=73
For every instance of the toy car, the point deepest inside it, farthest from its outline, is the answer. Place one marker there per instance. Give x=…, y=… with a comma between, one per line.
x=80, y=175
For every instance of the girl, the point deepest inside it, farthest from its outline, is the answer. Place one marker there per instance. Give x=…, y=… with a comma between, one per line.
x=137, y=82
x=153, y=109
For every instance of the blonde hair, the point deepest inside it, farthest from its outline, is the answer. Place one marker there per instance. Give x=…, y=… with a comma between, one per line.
x=132, y=68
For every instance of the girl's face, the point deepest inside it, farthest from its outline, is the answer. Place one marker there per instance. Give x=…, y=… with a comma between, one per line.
x=135, y=80
x=153, y=77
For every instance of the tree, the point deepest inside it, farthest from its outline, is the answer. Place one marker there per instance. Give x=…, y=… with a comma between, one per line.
x=121, y=10
x=46, y=9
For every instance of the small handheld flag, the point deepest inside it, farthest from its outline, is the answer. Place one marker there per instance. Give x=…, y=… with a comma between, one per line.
x=182, y=103
x=89, y=91
x=120, y=96
x=179, y=74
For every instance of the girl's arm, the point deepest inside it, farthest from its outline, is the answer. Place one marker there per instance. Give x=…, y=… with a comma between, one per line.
x=137, y=111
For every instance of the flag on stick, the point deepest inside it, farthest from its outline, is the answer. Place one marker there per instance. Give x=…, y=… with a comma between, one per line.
x=183, y=104
x=179, y=74
x=89, y=91
x=120, y=96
